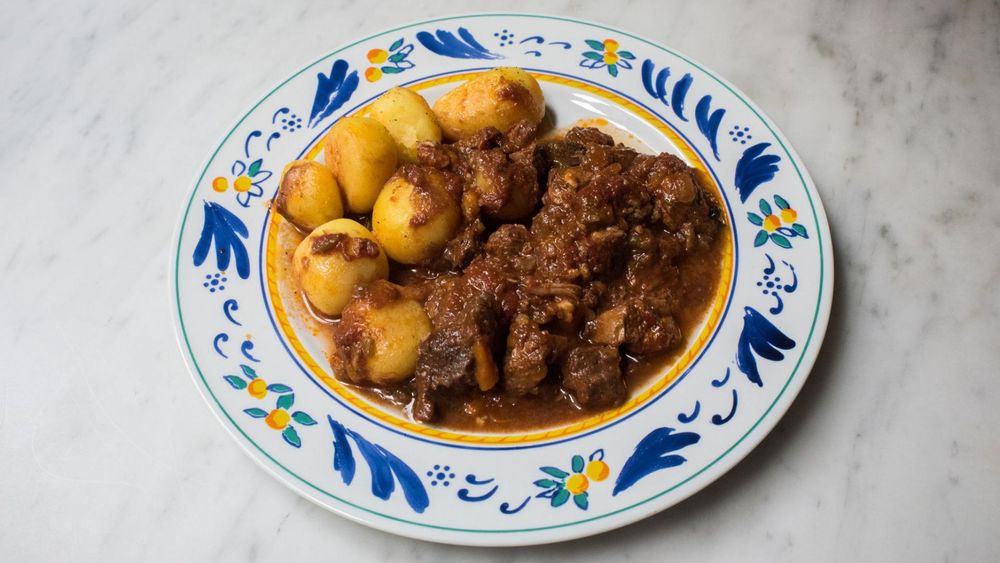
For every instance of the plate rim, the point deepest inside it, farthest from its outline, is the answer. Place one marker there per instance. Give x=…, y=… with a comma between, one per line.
x=575, y=529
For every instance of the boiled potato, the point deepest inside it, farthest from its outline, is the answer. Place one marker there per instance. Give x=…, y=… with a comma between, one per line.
x=497, y=98
x=362, y=155
x=378, y=335
x=416, y=214
x=308, y=195
x=409, y=120
x=333, y=259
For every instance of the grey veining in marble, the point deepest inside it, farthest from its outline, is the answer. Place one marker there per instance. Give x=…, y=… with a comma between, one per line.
x=891, y=453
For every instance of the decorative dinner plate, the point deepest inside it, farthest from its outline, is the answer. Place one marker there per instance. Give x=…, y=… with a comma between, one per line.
x=263, y=372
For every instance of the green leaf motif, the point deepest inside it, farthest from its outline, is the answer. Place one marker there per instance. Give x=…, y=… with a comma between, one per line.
x=255, y=167
x=235, y=381
x=760, y=239
x=291, y=436
x=391, y=70
x=395, y=58
x=765, y=208
x=581, y=500
x=545, y=483
x=560, y=497
x=303, y=418
x=599, y=45
x=286, y=401
x=555, y=472
x=755, y=219
x=256, y=413
x=279, y=388
x=613, y=70
x=780, y=240
x=593, y=56
x=396, y=44
x=800, y=230
x=577, y=464
x=248, y=371
x=626, y=55
x=780, y=201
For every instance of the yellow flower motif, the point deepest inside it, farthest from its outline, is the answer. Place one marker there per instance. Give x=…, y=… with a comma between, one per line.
x=771, y=223
x=610, y=46
x=242, y=183
x=789, y=215
x=577, y=483
x=597, y=470
x=372, y=74
x=610, y=58
x=278, y=419
x=377, y=56
x=257, y=388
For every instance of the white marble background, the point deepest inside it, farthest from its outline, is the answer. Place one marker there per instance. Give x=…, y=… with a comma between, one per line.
x=107, y=452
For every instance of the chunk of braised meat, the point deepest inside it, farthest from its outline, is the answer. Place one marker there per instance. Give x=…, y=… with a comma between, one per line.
x=530, y=350
x=592, y=374
x=457, y=356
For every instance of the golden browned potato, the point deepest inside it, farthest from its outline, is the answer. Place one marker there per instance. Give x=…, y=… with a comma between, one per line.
x=362, y=155
x=408, y=118
x=308, y=195
x=497, y=98
x=378, y=335
x=333, y=259
x=416, y=213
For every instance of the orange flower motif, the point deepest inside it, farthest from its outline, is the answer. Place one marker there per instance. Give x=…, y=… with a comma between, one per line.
x=257, y=388
x=597, y=470
x=391, y=61
x=777, y=225
x=606, y=54
x=278, y=419
x=771, y=223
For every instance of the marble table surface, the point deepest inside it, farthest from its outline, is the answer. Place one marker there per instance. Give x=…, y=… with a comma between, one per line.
x=891, y=452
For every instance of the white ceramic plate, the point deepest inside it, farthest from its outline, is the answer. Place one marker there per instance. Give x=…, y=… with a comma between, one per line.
x=262, y=371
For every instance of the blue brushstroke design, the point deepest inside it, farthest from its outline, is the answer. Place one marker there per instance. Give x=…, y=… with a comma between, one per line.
x=332, y=91
x=226, y=230
x=681, y=88
x=246, y=143
x=445, y=43
x=245, y=349
x=754, y=168
x=343, y=457
x=651, y=454
x=413, y=489
x=689, y=418
x=719, y=420
x=467, y=495
x=472, y=480
x=720, y=382
x=536, y=38
x=382, y=482
x=506, y=509
x=221, y=337
x=761, y=337
x=562, y=44
x=270, y=138
x=386, y=469
x=658, y=89
x=708, y=123
x=228, y=306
